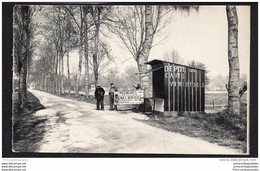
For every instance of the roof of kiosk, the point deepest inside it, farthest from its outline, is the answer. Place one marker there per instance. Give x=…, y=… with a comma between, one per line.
x=156, y=61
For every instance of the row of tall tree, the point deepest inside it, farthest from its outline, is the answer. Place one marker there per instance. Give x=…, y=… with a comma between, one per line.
x=79, y=27
x=22, y=50
x=66, y=28
x=70, y=28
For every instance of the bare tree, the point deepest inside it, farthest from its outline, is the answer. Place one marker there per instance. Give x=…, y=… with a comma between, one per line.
x=145, y=50
x=137, y=26
x=96, y=10
x=89, y=16
x=173, y=56
x=22, y=49
x=86, y=11
x=199, y=65
x=77, y=15
x=57, y=30
x=233, y=81
x=70, y=44
x=64, y=38
x=99, y=15
x=105, y=58
x=150, y=30
x=42, y=71
x=51, y=32
x=68, y=28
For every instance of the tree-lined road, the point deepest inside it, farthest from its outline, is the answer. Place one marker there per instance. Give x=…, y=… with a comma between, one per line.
x=75, y=126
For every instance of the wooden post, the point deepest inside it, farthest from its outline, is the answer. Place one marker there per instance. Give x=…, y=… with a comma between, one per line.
x=153, y=106
x=144, y=101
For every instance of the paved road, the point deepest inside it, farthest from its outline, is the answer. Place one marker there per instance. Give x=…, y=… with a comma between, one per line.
x=77, y=127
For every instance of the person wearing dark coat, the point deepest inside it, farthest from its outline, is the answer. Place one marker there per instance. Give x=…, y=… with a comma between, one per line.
x=111, y=96
x=99, y=95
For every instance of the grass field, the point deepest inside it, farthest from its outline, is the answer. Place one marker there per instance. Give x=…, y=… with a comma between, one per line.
x=217, y=102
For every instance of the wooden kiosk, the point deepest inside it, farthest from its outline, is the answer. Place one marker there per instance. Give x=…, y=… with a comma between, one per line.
x=177, y=89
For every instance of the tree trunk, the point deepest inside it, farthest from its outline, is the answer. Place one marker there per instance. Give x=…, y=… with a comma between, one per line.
x=59, y=78
x=44, y=82
x=48, y=82
x=53, y=74
x=23, y=71
x=144, y=53
x=56, y=73
x=95, y=55
x=15, y=69
x=28, y=69
x=86, y=69
x=86, y=57
x=22, y=86
x=80, y=65
x=68, y=70
x=233, y=82
x=62, y=72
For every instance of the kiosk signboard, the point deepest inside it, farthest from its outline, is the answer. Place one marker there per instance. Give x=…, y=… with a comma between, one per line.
x=129, y=97
x=182, y=88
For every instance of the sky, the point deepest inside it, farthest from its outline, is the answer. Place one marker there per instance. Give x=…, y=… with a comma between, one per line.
x=200, y=35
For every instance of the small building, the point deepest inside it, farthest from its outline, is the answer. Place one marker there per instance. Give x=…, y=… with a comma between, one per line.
x=177, y=88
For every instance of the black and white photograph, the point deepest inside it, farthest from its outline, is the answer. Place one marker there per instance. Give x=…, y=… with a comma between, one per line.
x=142, y=79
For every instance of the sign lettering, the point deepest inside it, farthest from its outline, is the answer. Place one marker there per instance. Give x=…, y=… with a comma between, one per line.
x=178, y=72
x=129, y=97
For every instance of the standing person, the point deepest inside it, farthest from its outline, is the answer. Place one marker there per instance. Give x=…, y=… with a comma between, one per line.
x=111, y=96
x=99, y=95
x=116, y=98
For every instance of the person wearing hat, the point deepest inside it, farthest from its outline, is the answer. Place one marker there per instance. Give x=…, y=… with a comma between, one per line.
x=111, y=96
x=99, y=95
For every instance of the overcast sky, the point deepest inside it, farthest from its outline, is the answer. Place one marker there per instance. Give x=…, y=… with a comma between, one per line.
x=202, y=36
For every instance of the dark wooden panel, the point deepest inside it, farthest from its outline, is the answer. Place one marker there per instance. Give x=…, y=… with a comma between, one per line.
x=174, y=92
x=203, y=91
x=177, y=94
x=166, y=84
x=171, y=90
x=192, y=90
x=190, y=87
x=158, y=83
x=195, y=90
x=181, y=93
x=199, y=91
x=184, y=92
x=171, y=97
x=183, y=88
x=187, y=89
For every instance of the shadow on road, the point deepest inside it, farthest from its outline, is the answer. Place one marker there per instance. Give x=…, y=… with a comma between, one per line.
x=28, y=129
